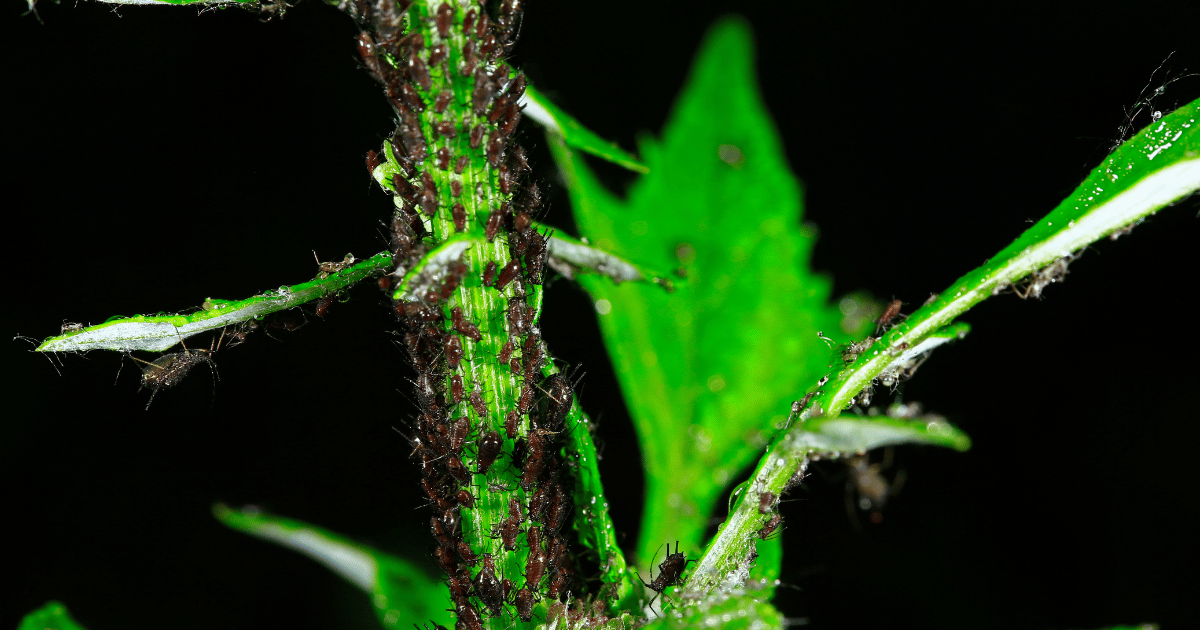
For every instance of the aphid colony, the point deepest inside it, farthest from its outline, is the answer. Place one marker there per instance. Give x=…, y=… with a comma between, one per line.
x=490, y=425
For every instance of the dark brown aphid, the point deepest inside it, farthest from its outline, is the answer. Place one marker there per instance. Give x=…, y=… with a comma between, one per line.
x=460, y=217
x=457, y=433
x=463, y=326
x=324, y=303
x=446, y=128
x=454, y=351
x=411, y=98
x=532, y=356
x=429, y=194
x=506, y=178
x=456, y=388
x=771, y=526
x=487, y=586
x=765, y=502
x=170, y=369
x=522, y=222
x=366, y=50
x=489, y=274
x=372, y=162
x=889, y=313
x=535, y=567
x=535, y=258
x=517, y=152
x=507, y=274
x=511, y=118
x=533, y=197
x=419, y=72
x=468, y=617
x=556, y=512
x=559, y=396
x=465, y=498
x=524, y=603
x=669, y=572
x=482, y=25
x=445, y=559
x=470, y=61
x=458, y=470
x=495, y=149
x=538, y=504
x=412, y=139
x=511, y=526
x=490, y=46
x=455, y=188
x=484, y=91
x=469, y=21
x=445, y=19
x=525, y=399
x=442, y=160
x=461, y=165
x=476, y=136
x=404, y=188
x=442, y=102
x=498, y=108
x=489, y=449
x=535, y=462
x=438, y=54
x=518, y=315
x=476, y=398
x=510, y=424
x=494, y=221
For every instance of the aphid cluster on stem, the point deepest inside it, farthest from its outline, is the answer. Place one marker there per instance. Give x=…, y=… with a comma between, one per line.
x=488, y=421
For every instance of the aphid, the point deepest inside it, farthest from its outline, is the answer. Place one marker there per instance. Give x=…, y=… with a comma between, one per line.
x=535, y=462
x=366, y=50
x=429, y=194
x=445, y=19
x=489, y=273
x=765, y=502
x=518, y=315
x=495, y=149
x=456, y=388
x=510, y=526
x=476, y=398
x=490, y=46
x=535, y=567
x=468, y=617
x=404, y=188
x=506, y=178
x=484, y=90
x=538, y=504
x=445, y=559
x=522, y=222
x=559, y=396
x=535, y=258
x=514, y=366
x=457, y=433
x=236, y=338
x=482, y=26
x=324, y=303
x=771, y=526
x=441, y=102
x=470, y=61
x=465, y=327
x=489, y=449
x=533, y=197
x=515, y=91
x=372, y=162
x=487, y=586
x=419, y=72
x=411, y=98
x=558, y=583
x=460, y=166
x=460, y=217
x=669, y=571
x=427, y=395
x=512, y=118
x=170, y=369
x=438, y=54
x=476, y=136
x=524, y=603
x=442, y=161
x=458, y=470
x=510, y=424
x=889, y=313
x=468, y=21
x=517, y=152
x=326, y=269
x=492, y=227
x=872, y=487
x=465, y=498
x=507, y=274
x=412, y=138
x=556, y=512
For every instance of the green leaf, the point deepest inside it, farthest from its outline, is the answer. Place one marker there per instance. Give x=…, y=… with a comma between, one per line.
x=52, y=616
x=725, y=564
x=401, y=591
x=556, y=121
x=708, y=369
x=156, y=333
x=1155, y=168
x=738, y=609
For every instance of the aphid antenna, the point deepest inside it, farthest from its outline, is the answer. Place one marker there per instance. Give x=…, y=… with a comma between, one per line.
x=36, y=343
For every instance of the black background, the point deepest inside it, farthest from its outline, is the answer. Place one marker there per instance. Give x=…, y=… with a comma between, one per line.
x=154, y=157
